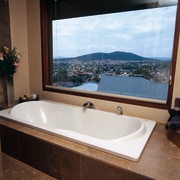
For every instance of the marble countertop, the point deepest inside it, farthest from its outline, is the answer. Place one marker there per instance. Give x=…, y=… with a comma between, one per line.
x=159, y=160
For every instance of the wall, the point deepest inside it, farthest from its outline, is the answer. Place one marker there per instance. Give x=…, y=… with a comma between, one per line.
x=5, y=40
x=29, y=40
x=18, y=27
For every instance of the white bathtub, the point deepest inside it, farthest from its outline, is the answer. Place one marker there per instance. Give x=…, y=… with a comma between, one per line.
x=121, y=135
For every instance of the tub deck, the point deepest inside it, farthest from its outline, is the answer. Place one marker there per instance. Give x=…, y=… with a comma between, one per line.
x=121, y=135
x=160, y=159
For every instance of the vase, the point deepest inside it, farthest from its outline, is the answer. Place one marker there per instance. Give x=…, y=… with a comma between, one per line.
x=10, y=91
x=2, y=89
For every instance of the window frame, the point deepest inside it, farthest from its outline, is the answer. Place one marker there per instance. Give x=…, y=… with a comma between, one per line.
x=47, y=14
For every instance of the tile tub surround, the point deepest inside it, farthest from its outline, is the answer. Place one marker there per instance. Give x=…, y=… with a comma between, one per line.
x=12, y=169
x=160, y=159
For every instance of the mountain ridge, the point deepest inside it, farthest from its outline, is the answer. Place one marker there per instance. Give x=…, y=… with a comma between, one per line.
x=116, y=55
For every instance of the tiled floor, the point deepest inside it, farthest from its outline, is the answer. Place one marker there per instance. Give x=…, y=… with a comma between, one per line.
x=12, y=169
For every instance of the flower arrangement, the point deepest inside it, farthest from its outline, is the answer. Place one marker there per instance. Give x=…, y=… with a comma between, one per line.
x=9, y=61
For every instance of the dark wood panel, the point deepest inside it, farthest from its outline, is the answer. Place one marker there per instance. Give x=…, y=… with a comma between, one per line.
x=49, y=158
x=9, y=141
x=4, y=24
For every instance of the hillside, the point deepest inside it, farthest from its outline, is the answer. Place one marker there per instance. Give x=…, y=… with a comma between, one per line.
x=117, y=55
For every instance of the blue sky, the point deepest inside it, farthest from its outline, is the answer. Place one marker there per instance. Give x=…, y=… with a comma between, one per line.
x=148, y=33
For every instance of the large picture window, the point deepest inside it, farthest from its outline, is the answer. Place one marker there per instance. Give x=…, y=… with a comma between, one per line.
x=126, y=56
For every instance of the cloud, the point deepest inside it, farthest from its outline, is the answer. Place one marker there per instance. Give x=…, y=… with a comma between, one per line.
x=135, y=31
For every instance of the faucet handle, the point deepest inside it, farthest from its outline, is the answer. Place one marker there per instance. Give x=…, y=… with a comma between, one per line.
x=88, y=104
x=85, y=104
x=91, y=105
x=120, y=109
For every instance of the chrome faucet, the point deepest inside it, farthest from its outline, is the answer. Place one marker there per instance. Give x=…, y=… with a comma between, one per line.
x=88, y=104
x=120, y=109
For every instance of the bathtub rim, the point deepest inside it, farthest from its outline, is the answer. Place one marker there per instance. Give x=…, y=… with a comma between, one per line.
x=124, y=152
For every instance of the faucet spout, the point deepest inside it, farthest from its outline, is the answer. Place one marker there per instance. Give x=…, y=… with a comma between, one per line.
x=120, y=109
x=88, y=104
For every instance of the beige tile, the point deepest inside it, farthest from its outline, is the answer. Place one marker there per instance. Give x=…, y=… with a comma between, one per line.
x=13, y=169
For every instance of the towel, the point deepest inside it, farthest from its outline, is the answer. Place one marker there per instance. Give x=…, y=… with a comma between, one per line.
x=175, y=122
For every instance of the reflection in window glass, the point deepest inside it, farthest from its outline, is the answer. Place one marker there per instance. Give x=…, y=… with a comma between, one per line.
x=127, y=53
